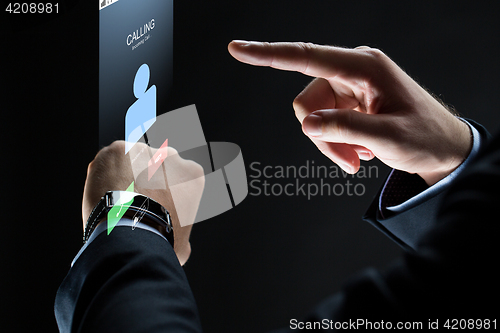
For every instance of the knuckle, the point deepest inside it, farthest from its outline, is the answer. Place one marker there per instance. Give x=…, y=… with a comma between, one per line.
x=307, y=49
x=198, y=172
x=193, y=170
x=374, y=59
x=171, y=151
x=110, y=154
x=374, y=53
x=298, y=103
x=99, y=156
x=299, y=107
x=117, y=146
x=200, y=180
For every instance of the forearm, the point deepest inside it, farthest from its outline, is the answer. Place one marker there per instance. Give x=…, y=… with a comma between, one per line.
x=450, y=276
x=127, y=281
x=405, y=208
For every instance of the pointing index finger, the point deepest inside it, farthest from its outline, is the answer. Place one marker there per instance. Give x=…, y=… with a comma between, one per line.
x=307, y=58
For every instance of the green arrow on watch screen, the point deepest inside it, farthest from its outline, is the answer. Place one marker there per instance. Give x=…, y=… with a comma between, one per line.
x=122, y=204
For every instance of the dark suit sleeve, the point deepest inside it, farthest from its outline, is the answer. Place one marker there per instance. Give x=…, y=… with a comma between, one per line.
x=451, y=274
x=128, y=281
x=406, y=228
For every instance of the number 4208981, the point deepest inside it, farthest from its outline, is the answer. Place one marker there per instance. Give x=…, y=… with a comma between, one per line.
x=32, y=8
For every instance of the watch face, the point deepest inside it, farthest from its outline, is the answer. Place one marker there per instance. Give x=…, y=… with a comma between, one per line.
x=139, y=214
x=123, y=197
x=138, y=206
x=122, y=200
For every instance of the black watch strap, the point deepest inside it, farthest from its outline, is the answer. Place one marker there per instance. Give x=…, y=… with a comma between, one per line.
x=141, y=206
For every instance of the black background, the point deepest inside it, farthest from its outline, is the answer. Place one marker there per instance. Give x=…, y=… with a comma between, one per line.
x=271, y=258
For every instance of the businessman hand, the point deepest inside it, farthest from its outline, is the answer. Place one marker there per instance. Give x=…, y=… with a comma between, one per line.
x=362, y=105
x=112, y=170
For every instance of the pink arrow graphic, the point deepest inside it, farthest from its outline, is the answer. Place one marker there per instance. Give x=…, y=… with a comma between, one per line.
x=157, y=159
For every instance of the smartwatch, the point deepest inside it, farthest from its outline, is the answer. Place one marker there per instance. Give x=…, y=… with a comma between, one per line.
x=139, y=208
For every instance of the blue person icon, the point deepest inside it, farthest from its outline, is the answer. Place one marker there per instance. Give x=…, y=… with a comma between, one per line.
x=142, y=114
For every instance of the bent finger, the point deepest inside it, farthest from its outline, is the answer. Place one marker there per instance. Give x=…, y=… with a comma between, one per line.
x=341, y=154
x=364, y=153
x=348, y=126
x=317, y=95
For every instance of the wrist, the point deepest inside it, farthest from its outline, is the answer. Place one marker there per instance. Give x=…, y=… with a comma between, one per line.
x=459, y=149
x=135, y=207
